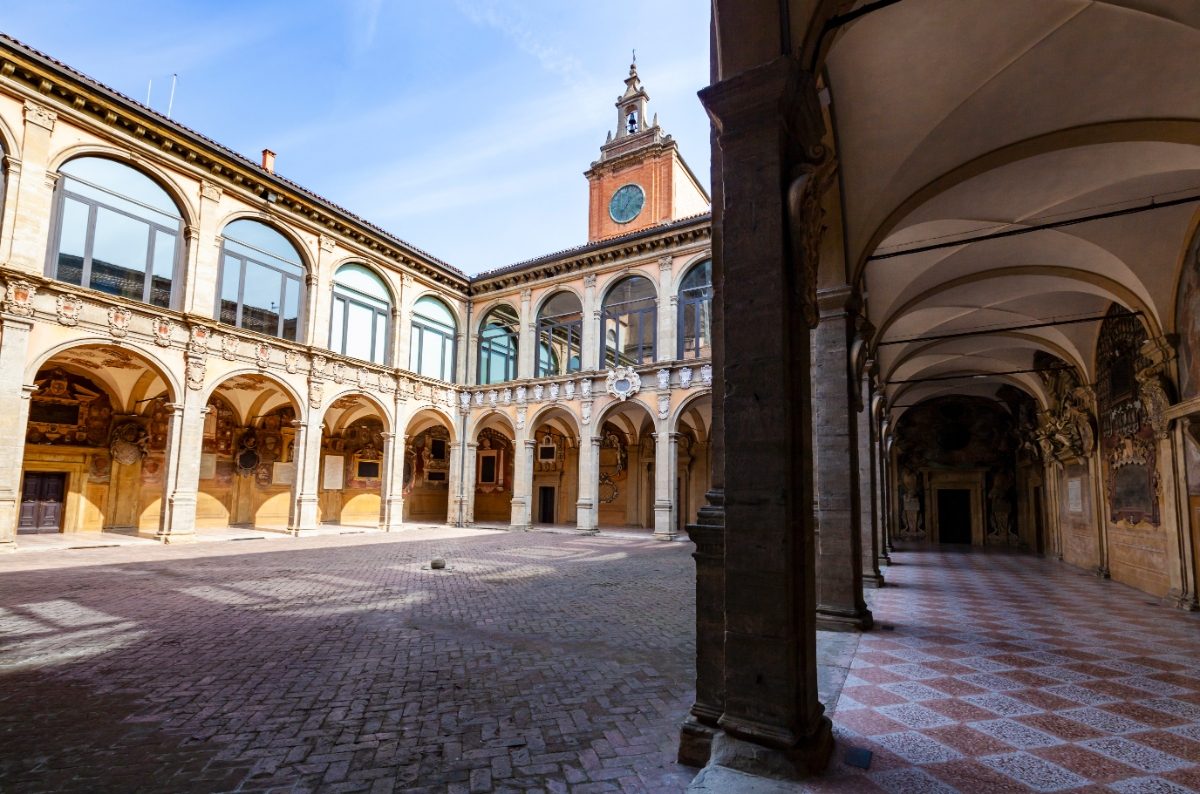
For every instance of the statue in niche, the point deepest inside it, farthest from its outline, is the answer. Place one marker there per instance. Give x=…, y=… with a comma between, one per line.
x=910, y=502
x=1000, y=505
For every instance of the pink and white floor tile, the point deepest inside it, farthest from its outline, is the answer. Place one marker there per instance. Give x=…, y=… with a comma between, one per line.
x=1009, y=673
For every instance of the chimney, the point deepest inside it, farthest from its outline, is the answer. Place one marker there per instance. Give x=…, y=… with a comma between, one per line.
x=268, y=161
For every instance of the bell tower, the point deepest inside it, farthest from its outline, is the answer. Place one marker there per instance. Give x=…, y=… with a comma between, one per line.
x=640, y=179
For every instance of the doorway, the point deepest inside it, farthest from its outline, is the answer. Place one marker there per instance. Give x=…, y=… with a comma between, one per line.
x=954, y=515
x=42, y=497
x=545, y=504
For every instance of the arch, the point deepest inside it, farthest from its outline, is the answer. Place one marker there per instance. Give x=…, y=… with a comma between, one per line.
x=455, y=307
x=685, y=406
x=379, y=272
x=1031, y=341
x=492, y=418
x=262, y=280
x=1124, y=131
x=8, y=140
x=1027, y=385
x=298, y=402
x=149, y=359
x=625, y=408
x=149, y=168
x=379, y=406
x=680, y=273
x=552, y=291
x=424, y=413
x=547, y=412
x=308, y=260
x=620, y=277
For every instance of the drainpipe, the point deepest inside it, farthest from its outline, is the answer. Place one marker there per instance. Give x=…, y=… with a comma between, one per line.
x=462, y=436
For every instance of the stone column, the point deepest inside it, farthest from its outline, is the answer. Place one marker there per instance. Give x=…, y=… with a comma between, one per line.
x=840, y=604
x=392, y=513
x=589, y=336
x=468, y=486
x=304, y=513
x=771, y=222
x=14, y=417
x=456, y=503
x=177, y=518
x=527, y=344
x=880, y=494
x=522, y=501
x=586, y=509
x=872, y=577
x=668, y=307
x=666, y=472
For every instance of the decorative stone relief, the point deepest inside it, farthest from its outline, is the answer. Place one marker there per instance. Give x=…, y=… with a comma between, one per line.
x=623, y=382
x=210, y=191
x=585, y=388
x=664, y=406
x=1155, y=398
x=807, y=216
x=685, y=378
x=262, y=354
x=39, y=115
x=327, y=243
x=201, y=335
x=538, y=392
x=492, y=397
x=318, y=365
x=664, y=379
x=464, y=400
x=128, y=443
x=229, y=347
x=163, y=330
x=68, y=308
x=339, y=372
x=479, y=398
x=554, y=390
x=387, y=384
x=569, y=389
x=118, y=321
x=520, y=395
x=589, y=282
x=291, y=360
x=706, y=374
x=506, y=396
x=196, y=370
x=18, y=298
x=527, y=295
x=364, y=378
x=664, y=265
x=585, y=412
x=521, y=417
x=316, y=392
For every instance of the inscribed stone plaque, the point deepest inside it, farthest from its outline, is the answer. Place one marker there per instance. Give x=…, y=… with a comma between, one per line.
x=208, y=465
x=334, y=472
x=284, y=473
x=1075, y=495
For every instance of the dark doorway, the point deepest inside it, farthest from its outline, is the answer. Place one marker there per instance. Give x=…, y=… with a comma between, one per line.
x=954, y=515
x=545, y=504
x=42, y=499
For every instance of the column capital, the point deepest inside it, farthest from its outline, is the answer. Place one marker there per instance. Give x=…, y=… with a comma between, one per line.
x=779, y=95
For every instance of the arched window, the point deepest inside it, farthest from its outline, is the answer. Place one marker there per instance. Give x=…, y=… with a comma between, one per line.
x=559, y=333
x=118, y=231
x=695, y=312
x=498, y=345
x=361, y=314
x=262, y=280
x=628, y=320
x=431, y=349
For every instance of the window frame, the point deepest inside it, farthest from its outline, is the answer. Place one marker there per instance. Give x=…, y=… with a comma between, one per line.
x=546, y=326
x=60, y=196
x=301, y=280
x=504, y=341
x=349, y=295
x=697, y=301
x=419, y=326
x=648, y=318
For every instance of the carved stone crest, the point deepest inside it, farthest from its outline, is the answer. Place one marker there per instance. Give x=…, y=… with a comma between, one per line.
x=521, y=417
x=210, y=191
x=479, y=398
x=706, y=374
x=118, y=321
x=664, y=406
x=163, y=330
x=554, y=390
x=40, y=115
x=585, y=412
x=538, y=392
x=291, y=360
x=506, y=396
x=229, y=347
x=569, y=389
x=200, y=337
x=589, y=282
x=464, y=400
x=316, y=392
x=664, y=379
x=128, y=443
x=68, y=308
x=196, y=369
x=318, y=365
x=492, y=397
x=623, y=382
x=262, y=355
x=520, y=395
x=18, y=298
x=685, y=378
x=339, y=372
x=585, y=388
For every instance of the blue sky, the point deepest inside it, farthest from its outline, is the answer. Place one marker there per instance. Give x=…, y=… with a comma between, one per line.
x=462, y=126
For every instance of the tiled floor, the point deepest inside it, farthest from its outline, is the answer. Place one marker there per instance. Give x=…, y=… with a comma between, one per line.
x=1006, y=673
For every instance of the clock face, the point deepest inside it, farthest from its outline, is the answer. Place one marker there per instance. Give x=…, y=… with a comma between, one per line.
x=626, y=203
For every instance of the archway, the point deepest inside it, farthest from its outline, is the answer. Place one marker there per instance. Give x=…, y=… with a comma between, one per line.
x=427, y=467
x=625, y=477
x=247, y=463
x=95, y=443
x=692, y=425
x=352, y=446
x=554, y=491
x=495, y=460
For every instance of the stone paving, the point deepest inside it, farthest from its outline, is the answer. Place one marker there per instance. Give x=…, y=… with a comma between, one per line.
x=536, y=661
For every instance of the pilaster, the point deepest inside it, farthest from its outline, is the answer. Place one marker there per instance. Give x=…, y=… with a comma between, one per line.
x=527, y=343
x=32, y=212
x=14, y=416
x=586, y=513
x=177, y=518
x=666, y=472
x=522, y=500
x=392, y=513
x=305, y=513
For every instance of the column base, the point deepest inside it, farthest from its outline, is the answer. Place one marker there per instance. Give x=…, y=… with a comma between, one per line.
x=695, y=742
x=301, y=532
x=167, y=536
x=834, y=619
x=665, y=535
x=873, y=580
x=1102, y=572
x=802, y=759
x=1174, y=598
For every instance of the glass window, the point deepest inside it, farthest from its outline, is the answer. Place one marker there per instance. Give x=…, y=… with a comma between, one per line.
x=431, y=349
x=560, y=335
x=261, y=277
x=362, y=309
x=695, y=312
x=628, y=323
x=498, y=335
x=118, y=231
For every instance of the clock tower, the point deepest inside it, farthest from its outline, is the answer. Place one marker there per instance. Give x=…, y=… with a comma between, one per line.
x=640, y=179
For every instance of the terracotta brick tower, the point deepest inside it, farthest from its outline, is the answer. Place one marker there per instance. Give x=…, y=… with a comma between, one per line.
x=640, y=179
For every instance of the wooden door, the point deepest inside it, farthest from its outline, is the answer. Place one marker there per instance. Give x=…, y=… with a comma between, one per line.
x=42, y=498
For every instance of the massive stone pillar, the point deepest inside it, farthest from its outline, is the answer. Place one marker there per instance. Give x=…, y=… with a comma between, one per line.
x=666, y=472
x=185, y=431
x=305, y=515
x=392, y=513
x=840, y=604
x=455, y=485
x=522, y=500
x=770, y=128
x=587, y=509
x=872, y=577
x=468, y=486
x=880, y=494
x=14, y=416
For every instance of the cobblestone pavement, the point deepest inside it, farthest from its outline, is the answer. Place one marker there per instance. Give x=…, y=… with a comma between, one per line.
x=535, y=661
x=1009, y=673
